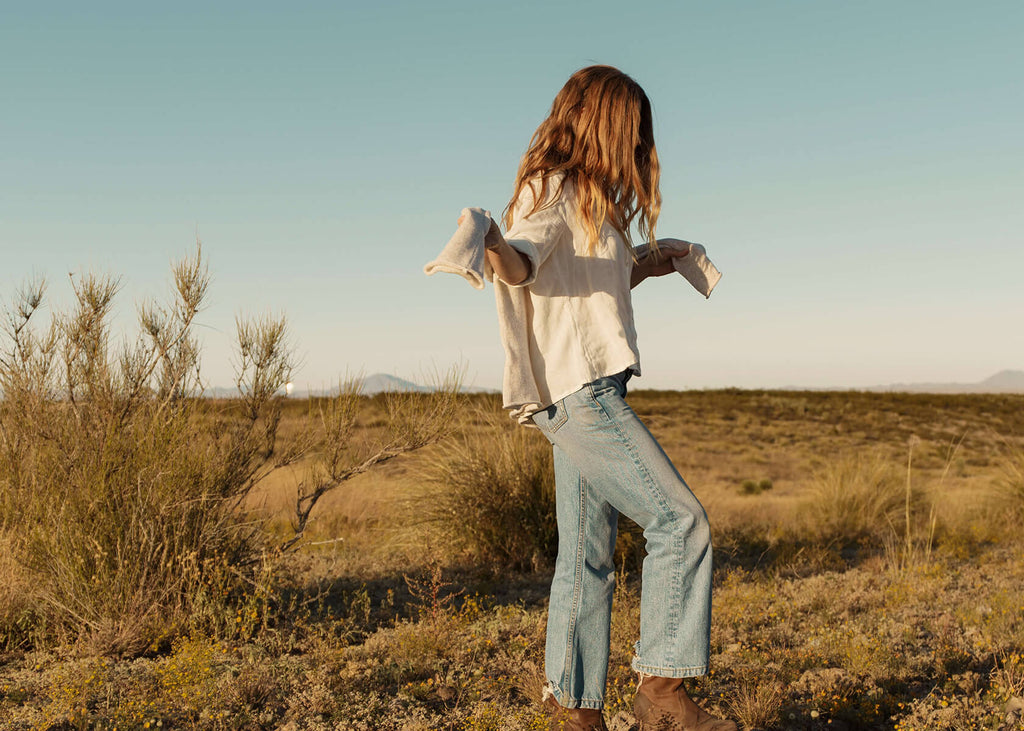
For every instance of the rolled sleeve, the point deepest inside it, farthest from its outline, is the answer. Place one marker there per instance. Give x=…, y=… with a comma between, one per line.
x=536, y=234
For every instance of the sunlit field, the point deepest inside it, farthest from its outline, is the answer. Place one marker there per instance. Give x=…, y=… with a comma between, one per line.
x=868, y=550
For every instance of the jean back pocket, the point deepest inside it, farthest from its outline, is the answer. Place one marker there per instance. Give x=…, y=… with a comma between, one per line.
x=549, y=420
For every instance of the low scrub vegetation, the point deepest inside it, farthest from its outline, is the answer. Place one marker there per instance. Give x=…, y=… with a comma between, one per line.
x=173, y=561
x=857, y=497
x=121, y=490
x=1009, y=485
x=493, y=496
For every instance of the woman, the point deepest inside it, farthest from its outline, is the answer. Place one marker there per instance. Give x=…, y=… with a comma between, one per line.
x=563, y=277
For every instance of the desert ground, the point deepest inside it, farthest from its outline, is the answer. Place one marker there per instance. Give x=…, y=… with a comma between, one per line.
x=869, y=575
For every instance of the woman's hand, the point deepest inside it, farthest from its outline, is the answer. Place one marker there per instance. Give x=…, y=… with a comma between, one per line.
x=493, y=239
x=657, y=264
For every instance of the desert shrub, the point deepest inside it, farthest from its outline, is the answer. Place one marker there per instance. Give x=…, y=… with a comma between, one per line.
x=120, y=488
x=858, y=498
x=492, y=494
x=117, y=486
x=1009, y=485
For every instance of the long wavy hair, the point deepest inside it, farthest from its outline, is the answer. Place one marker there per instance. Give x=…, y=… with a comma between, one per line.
x=600, y=135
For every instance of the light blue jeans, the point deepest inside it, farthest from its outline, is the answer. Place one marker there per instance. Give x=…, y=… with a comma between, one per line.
x=606, y=462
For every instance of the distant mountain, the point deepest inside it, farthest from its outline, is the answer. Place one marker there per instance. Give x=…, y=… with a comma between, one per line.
x=380, y=382
x=1005, y=381
x=1002, y=382
x=220, y=392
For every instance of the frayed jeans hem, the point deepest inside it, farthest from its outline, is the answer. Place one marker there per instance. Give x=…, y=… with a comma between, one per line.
x=590, y=703
x=665, y=672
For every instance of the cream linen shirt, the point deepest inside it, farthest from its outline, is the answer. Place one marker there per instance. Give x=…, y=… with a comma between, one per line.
x=571, y=321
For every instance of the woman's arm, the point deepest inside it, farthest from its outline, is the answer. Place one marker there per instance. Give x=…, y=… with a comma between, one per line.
x=510, y=266
x=656, y=264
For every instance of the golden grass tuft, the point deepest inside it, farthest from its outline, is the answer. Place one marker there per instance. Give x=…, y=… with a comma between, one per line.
x=756, y=703
x=856, y=497
x=491, y=495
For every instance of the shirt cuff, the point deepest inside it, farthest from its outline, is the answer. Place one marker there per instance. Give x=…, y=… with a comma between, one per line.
x=529, y=250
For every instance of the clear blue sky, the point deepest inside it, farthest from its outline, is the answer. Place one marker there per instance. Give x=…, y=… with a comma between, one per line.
x=856, y=170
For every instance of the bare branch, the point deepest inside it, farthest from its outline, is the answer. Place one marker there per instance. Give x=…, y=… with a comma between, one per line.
x=415, y=420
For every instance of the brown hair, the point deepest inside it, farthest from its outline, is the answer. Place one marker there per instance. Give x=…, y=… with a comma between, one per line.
x=601, y=136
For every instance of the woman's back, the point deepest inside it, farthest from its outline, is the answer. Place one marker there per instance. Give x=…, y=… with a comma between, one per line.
x=571, y=320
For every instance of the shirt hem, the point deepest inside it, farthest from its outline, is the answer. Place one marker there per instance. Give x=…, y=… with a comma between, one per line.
x=523, y=411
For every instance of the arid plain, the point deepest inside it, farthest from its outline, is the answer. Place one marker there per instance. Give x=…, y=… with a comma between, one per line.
x=869, y=575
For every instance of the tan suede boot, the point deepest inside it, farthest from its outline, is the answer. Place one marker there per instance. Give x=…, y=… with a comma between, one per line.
x=573, y=719
x=662, y=704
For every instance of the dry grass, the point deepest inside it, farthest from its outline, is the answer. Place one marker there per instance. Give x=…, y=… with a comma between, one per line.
x=1009, y=484
x=122, y=492
x=116, y=487
x=493, y=496
x=856, y=498
x=375, y=623
x=18, y=600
